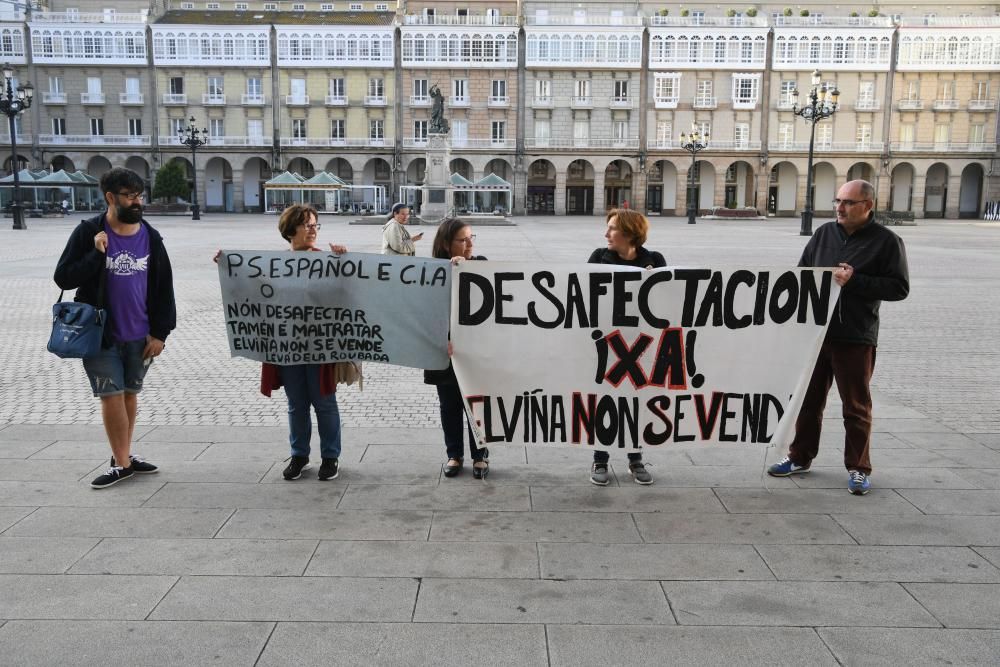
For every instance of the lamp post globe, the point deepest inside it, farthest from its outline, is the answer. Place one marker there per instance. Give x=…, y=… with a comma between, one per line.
x=821, y=102
x=693, y=144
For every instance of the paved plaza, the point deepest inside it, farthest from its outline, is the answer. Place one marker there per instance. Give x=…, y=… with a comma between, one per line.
x=217, y=560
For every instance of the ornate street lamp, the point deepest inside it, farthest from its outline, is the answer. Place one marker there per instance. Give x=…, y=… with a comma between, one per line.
x=820, y=103
x=13, y=102
x=693, y=144
x=194, y=139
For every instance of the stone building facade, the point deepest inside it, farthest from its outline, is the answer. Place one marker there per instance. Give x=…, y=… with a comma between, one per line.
x=578, y=104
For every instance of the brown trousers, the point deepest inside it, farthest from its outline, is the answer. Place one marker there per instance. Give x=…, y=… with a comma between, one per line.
x=852, y=366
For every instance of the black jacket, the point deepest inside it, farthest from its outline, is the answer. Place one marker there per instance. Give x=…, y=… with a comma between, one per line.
x=880, y=274
x=80, y=268
x=643, y=258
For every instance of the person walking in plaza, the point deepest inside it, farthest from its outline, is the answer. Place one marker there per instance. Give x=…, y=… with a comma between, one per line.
x=871, y=268
x=626, y=233
x=306, y=385
x=454, y=241
x=117, y=261
x=396, y=240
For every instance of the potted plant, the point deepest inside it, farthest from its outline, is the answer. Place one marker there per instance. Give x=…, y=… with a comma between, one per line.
x=873, y=12
x=853, y=15
x=730, y=13
x=804, y=12
x=751, y=12
x=664, y=12
x=787, y=11
x=685, y=12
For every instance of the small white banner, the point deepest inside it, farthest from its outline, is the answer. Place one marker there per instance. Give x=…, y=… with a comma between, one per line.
x=317, y=307
x=620, y=358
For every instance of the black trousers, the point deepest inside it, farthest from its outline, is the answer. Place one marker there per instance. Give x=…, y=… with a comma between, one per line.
x=452, y=417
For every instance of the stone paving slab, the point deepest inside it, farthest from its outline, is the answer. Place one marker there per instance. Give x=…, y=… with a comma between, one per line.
x=102, y=643
x=157, y=452
x=71, y=494
x=521, y=601
x=741, y=529
x=652, y=562
x=194, y=434
x=486, y=497
x=69, y=470
x=288, y=599
x=424, y=559
x=884, y=478
x=629, y=499
x=954, y=502
x=264, y=496
x=11, y=515
x=297, y=524
x=939, y=441
x=391, y=644
x=991, y=440
x=73, y=597
x=960, y=605
x=581, y=460
x=214, y=454
x=922, y=530
x=533, y=527
x=991, y=554
x=820, y=501
x=246, y=558
x=247, y=472
x=905, y=646
x=801, y=604
x=601, y=645
x=877, y=563
x=981, y=479
x=979, y=457
x=398, y=472
x=534, y=474
x=121, y=522
x=52, y=432
x=21, y=449
x=42, y=555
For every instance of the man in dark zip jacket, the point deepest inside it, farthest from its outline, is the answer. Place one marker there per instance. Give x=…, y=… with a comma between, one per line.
x=871, y=268
x=117, y=261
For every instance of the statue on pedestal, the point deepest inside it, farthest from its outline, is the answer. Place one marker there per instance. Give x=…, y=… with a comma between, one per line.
x=438, y=125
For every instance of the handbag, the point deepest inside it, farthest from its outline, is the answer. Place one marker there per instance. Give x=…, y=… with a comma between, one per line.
x=77, y=329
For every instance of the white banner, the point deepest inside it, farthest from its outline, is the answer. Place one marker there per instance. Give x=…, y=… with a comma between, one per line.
x=619, y=358
x=317, y=307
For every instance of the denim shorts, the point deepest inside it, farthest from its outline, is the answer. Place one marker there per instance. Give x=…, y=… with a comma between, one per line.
x=118, y=369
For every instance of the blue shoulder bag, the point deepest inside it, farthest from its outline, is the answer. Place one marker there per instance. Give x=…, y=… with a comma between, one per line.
x=78, y=328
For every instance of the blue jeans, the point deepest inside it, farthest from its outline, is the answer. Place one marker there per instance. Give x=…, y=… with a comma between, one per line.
x=118, y=369
x=302, y=390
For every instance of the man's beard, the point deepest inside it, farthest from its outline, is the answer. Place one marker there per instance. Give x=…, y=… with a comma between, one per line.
x=130, y=215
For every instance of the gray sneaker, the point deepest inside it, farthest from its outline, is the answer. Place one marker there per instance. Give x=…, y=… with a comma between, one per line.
x=599, y=474
x=639, y=473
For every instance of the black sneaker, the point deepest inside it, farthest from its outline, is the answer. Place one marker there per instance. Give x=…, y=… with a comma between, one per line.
x=329, y=469
x=113, y=475
x=295, y=466
x=140, y=466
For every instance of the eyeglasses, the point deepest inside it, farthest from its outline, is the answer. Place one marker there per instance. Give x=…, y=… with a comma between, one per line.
x=849, y=202
x=312, y=227
x=467, y=239
x=134, y=196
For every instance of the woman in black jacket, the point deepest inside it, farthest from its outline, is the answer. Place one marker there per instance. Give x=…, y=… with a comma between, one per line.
x=454, y=241
x=626, y=232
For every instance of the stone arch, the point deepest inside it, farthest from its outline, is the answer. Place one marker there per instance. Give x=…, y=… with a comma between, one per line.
x=98, y=165
x=218, y=185
x=462, y=166
x=255, y=173
x=661, y=189
x=863, y=171
x=341, y=168
x=580, y=188
x=901, y=188
x=22, y=163
x=782, y=189
x=541, y=193
x=377, y=171
x=501, y=168
x=970, y=192
x=739, y=183
x=416, y=171
x=617, y=184
x=302, y=166
x=936, y=190
x=63, y=162
x=824, y=188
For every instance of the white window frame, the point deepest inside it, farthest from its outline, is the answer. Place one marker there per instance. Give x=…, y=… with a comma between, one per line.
x=666, y=89
x=96, y=127
x=498, y=132
x=59, y=126
x=135, y=127
x=664, y=134
x=746, y=90
x=300, y=128
x=338, y=129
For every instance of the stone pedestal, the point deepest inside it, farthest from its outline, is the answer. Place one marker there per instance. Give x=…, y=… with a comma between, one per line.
x=437, y=180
